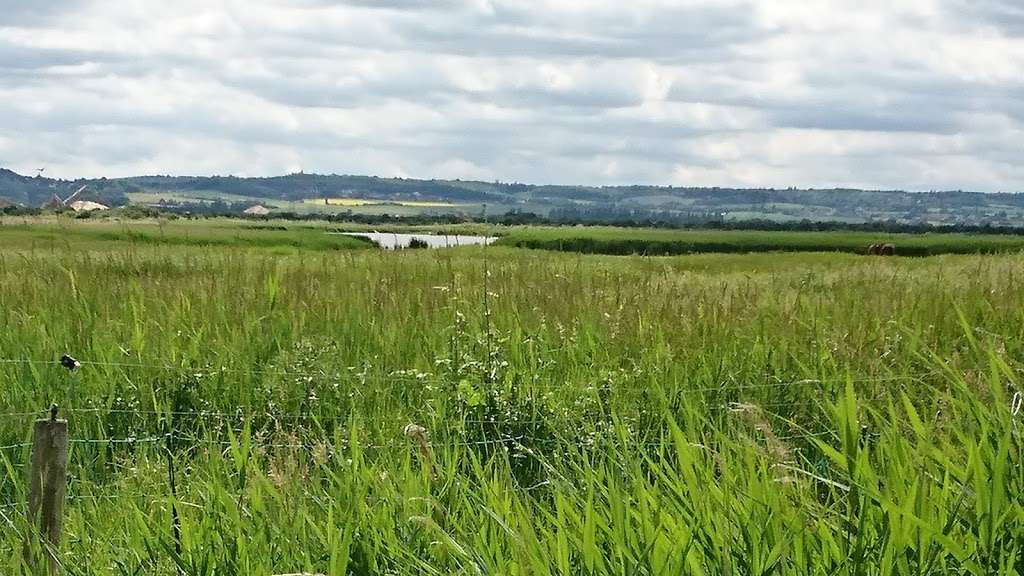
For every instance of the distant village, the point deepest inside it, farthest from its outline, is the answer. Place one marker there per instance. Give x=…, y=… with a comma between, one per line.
x=78, y=204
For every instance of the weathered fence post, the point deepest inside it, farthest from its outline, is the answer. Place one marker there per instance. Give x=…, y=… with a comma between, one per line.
x=175, y=520
x=47, y=484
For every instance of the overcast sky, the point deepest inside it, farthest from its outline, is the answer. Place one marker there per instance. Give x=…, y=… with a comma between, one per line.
x=916, y=94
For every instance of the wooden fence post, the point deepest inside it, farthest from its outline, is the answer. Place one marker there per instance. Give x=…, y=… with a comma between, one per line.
x=175, y=519
x=47, y=484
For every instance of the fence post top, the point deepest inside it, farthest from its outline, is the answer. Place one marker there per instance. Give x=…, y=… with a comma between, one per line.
x=52, y=421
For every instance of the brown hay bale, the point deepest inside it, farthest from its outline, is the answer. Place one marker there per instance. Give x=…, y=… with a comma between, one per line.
x=875, y=249
x=888, y=250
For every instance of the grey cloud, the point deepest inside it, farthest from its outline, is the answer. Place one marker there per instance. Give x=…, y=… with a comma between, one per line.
x=13, y=57
x=676, y=34
x=28, y=12
x=1006, y=15
x=393, y=4
x=892, y=120
x=854, y=96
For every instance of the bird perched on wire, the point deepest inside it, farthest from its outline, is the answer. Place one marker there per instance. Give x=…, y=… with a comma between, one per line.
x=69, y=362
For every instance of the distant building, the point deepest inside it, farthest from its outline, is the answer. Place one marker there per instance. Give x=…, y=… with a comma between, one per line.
x=87, y=206
x=257, y=210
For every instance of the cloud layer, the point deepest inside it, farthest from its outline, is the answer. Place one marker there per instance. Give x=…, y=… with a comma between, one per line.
x=918, y=94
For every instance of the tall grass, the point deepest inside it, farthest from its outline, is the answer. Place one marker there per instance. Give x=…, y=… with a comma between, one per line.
x=772, y=414
x=620, y=241
x=58, y=234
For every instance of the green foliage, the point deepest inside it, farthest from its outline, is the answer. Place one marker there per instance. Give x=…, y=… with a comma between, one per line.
x=745, y=414
x=620, y=241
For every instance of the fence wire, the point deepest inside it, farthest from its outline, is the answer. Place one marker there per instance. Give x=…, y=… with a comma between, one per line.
x=392, y=379
x=402, y=379
x=172, y=442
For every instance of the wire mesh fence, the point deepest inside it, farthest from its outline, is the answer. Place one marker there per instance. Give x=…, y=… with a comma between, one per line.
x=163, y=436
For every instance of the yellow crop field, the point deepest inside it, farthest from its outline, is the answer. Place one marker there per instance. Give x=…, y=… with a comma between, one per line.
x=374, y=201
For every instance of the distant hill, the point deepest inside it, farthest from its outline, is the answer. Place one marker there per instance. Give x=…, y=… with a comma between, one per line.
x=35, y=191
x=583, y=202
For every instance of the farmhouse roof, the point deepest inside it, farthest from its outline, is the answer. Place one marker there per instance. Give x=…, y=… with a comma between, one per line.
x=87, y=206
x=257, y=210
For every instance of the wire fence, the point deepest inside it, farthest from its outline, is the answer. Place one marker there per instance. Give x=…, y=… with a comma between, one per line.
x=165, y=442
x=403, y=379
x=242, y=441
x=395, y=378
x=523, y=442
x=474, y=433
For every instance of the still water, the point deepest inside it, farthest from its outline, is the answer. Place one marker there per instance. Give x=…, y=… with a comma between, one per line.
x=392, y=241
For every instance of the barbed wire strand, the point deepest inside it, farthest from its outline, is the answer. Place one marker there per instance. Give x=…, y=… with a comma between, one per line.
x=400, y=376
x=393, y=380
x=242, y=415
x=16, y=446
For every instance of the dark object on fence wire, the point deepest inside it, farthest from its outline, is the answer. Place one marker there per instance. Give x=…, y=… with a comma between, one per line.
x=47, y=482
x=69, y=362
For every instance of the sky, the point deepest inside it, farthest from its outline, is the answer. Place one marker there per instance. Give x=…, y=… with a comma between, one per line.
x=909, y=94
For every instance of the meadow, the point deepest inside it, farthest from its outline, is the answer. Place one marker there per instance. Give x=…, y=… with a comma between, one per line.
x=330, y=408
x=626, y=241
x=62, y=235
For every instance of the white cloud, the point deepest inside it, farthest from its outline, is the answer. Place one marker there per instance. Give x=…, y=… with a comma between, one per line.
x=919, y=94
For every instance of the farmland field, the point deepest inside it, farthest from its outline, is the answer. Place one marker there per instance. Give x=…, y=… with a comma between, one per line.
x=371, y=201
x=326, y=407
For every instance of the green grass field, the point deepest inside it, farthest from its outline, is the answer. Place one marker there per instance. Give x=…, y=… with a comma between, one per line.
x=58, y=235
x=745, y=414
x=608, y=240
